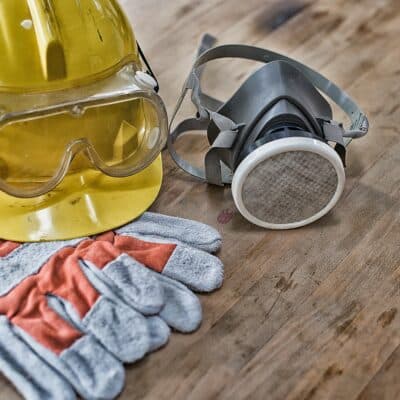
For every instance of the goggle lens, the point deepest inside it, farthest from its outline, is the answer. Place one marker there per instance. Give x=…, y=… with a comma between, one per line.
x=118, y=138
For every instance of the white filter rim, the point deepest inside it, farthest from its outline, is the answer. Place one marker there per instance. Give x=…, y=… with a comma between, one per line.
x=282, y=146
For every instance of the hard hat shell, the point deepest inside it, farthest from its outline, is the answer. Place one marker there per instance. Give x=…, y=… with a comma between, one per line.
x=56, y=46
x=82, y=205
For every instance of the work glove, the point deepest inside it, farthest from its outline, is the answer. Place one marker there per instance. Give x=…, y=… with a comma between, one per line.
x=80, y=310
x=177, y=253
x=81, y=331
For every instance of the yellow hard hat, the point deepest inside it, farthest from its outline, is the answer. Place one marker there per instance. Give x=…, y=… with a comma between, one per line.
x=81, y=124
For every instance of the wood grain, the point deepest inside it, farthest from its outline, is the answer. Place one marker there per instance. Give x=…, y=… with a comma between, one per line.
x=306, y=314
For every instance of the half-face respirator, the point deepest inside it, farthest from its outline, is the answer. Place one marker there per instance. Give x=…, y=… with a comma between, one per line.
x=275, y=140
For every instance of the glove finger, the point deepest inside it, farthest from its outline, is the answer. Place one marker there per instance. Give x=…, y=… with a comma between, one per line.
x=116, y=281
x=120, y=329
x=200, y=271
x=31, y=375
x=141, y=290
x=195, y=268
x=95, y=370
x=159, y=333
x=92, y=371
x=122, y=274
x=174, y=229
x=182, y=310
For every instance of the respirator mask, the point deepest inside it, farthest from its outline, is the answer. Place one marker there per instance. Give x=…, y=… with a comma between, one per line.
x=275, y=140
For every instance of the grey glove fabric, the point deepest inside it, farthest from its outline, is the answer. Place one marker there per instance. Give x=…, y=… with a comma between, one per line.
x=192, y=263
x=98, y=303
x=33, y=377
x=181, y=309
x=79, y=331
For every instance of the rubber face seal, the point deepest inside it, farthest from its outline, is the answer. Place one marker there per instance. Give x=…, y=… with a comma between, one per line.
x=263, y=191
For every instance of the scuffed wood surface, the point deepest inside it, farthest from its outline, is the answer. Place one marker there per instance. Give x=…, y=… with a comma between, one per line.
x=305, y=314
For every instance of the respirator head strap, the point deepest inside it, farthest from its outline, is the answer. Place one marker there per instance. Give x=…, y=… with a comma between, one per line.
x=334, y=132
x=214, y=171
x=200, y=99
x=359, y=122
x=188, y=125
x=203, y=102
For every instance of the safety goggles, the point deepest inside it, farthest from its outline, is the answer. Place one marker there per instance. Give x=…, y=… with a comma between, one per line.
x=117, y=125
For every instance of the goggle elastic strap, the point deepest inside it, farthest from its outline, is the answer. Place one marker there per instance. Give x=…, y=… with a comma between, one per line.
x=149, y=70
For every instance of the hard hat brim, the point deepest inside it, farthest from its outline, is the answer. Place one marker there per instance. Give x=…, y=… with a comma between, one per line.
x=82, y=205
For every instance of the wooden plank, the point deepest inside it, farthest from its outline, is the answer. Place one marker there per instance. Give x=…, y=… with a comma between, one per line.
x=306, y=314
x=7, y=391
x=260, y=252
x=385, y=385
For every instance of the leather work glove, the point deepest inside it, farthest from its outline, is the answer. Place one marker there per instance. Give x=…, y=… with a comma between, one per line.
x=82, y=332
x=72, y=312
x=176, y=252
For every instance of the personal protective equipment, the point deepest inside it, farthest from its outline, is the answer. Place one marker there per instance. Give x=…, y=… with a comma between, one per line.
x=81, y=124
x=80, y=332
x=80, y=308
x=35, y=379
x=274, y=140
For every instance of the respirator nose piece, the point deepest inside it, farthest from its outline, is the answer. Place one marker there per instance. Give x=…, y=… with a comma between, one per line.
x=288, y=183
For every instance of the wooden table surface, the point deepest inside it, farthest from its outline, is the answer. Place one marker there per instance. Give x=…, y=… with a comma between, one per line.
x=305, y=314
